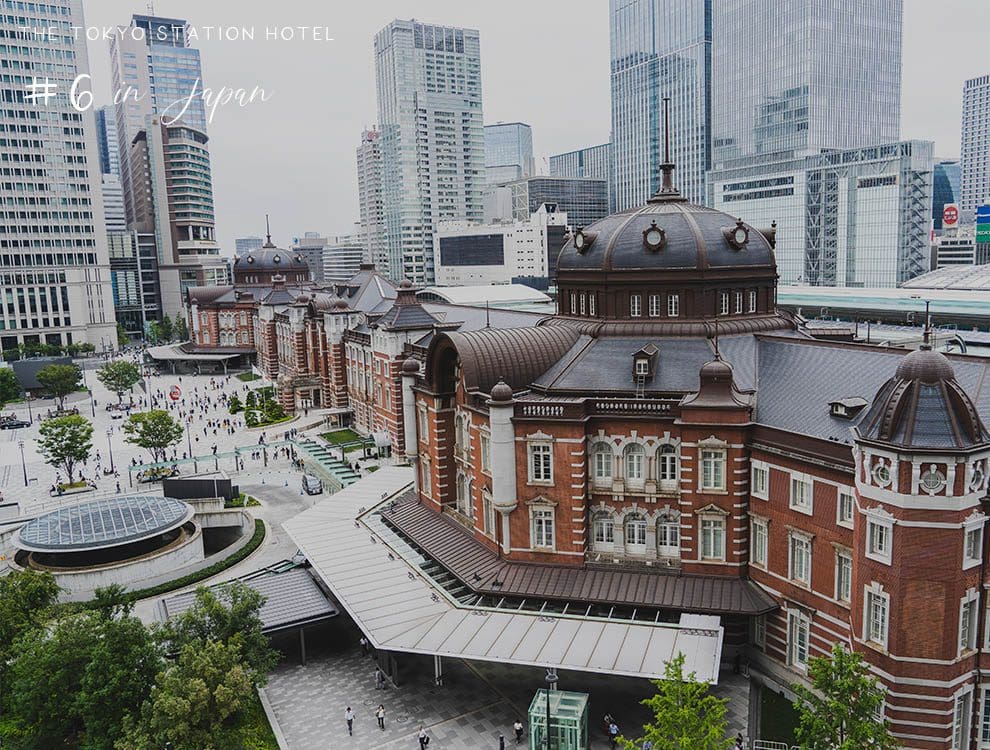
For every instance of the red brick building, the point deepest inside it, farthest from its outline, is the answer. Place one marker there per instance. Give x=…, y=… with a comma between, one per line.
x=670, y=442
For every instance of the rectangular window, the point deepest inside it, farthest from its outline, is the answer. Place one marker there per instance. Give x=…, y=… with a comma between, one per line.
x=673, y=305
x=424, y=475
x=584, y=300
x=654, y=305
x=591, y=304
x=723, y=303
x=602, y=464
x=540, y=463
x=759, y=532
x=713, y=539
x=752, y=302
x=712, y=469
x=574, y=307
x=798, y=637
x=801, y=494
x=985, y=720
x=972, y=547
x=424, y=426
x=543, y=527
x=739, y=302
x=960, y=722
x=843, y=576
x=967, y=625
x=761, y=481
x=845, y=502
x=878, y=541
x=485, y=444
x=800, y=559
x=760, y=631
x=635, y=305
x=877, y=607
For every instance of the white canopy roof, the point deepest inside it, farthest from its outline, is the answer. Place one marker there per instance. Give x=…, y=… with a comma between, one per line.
x=376, y=578
x=494, y=294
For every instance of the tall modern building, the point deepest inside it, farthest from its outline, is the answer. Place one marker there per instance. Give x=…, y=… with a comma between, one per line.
x=974, y=159
x=152, y=59
x=945, y=188
x=508, y=152
x=827, y=76
x=312, y=247
x=582, y=200
x=244, y=245
x=54, y=265
x=342, y=257
x=106, y=140
x=593, y=161
x=433, y=160
x=660, y=48
x=370, y=205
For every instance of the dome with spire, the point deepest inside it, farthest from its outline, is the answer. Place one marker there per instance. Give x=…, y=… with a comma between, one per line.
x=261, y=266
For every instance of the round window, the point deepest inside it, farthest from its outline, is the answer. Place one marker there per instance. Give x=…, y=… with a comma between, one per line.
x=976, y=481
x=932, y=480
x=881, y=474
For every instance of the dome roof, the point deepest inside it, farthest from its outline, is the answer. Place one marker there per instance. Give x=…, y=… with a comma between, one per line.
x=270, y=259
x=501, y=392
x=691, y=238
x=924, y=407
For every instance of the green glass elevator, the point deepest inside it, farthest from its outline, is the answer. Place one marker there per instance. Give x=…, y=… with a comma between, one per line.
x=568, y=721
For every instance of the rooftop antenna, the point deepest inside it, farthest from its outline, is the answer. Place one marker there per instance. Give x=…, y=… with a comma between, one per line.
x=151, y=9
x=268, y=231
x=667, y=168
x=488, y=320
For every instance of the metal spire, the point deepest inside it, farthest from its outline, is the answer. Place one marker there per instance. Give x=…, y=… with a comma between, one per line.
x=667, y=190
x=268, y=232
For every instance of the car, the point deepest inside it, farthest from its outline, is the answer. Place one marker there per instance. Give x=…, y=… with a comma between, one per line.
x=312, y=485
x=13, y=423
x=116, y=414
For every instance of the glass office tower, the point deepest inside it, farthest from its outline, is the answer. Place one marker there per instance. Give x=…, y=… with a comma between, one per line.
x=660, y=48
x=792, y=79
x=974, y=161
x=508, y=152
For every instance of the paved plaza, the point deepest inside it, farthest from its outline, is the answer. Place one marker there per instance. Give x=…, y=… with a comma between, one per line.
x=476, y=703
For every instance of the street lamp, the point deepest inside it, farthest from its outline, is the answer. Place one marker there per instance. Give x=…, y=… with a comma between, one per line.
x=20, y=444
x=928, y=320
x=551, y=681
x=27, y=396
x=110, y=448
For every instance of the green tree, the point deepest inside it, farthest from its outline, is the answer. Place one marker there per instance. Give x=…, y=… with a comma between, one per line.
x=181, y=328
x=234, y=404
x=687, y=716
x=154, y=430
x=840, y=711
x=165, y=325
x=119, y=376
x=198, y=702
x=26, y=599
x=122, y=338
x=65, y=442
x=228, y=614
x=155, y=332
x=59, y=381
x=10, y=387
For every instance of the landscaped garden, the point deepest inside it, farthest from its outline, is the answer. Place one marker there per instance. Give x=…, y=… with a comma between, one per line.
x=348, y=440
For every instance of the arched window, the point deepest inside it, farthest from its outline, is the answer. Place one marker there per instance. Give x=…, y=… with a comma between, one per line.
x=464, y=495
x=634, y=456
x=669, y=535
x=603, y=528
x=635, y=534
x=602, y=459
x=667, y=466
x=461, y=433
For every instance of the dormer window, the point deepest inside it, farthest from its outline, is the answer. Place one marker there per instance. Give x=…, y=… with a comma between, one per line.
x=644, y=362
x=847, y=408
x=642, y=367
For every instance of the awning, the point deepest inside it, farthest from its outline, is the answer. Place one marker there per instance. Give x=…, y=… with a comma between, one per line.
x=386, y=589
x=175, y=353
x=382, y=440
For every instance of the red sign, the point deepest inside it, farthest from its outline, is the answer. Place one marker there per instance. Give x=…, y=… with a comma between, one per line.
x=950, y=214
x=174, y=393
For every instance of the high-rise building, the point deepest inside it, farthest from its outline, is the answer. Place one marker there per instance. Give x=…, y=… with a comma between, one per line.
x=176, y=203
x=371, y=208
x=660, y=48
x=311, y=247
x=582, y=200
x=152, y=59
x=974, y=157
x=54, y=265
x=106, y=140
x=244, y=245
x=429, y=112
x=945, y=188
x=508, y=152
x=826, y=76
x=113, y=204
x=342, y=257
x=593, y=161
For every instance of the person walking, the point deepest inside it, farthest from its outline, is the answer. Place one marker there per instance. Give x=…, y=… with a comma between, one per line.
x=424, y=738
x=349, y=718
x=518, y=729
x=379, y=679
x=613, y=734
x=380, y=715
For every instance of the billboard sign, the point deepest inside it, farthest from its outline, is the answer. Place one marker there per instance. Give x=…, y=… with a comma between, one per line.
x=950, y=215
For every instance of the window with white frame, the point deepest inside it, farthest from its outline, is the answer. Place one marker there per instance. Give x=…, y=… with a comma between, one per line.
x=723, y=303
x=843, y=575
x=667, y=463
x=583, y=301
x=876, y=620
x=739, y=302
x=601, y=462
x=985, y=719
x=634, y=456
x=972, y=546
x=591, y=304
x=799, y=558
x=960, y=721
x=878, y=539
x=761, y=481
x=603, y=528
x=542, y=527
x=654, y=305
x=967, y=622
x=424, y=476
x=673, y=305
x=635, y=305
x=712, y=538
x=801, y=493
x=845, y=504
x=461, y=433
x=760, y=631
x=574, y=307
x=713, y=469
x=488, y=509
x=669, y=535
x=485, y=448
x=798, y=639
x=540, y=462
x=752, y=301
x=463, y=492
x=758, y=531
x=634, y=534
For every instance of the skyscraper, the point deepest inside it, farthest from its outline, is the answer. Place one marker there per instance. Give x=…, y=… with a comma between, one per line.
x=974, y=159
x=508, y=152
x=593, y=161
x=429, y=112
x=793, y=79
x=54, y=265
x=371, y=208
x=106, y=140
x=152, y=59
x=660, y=48
x=945, y=188
x=244, y=245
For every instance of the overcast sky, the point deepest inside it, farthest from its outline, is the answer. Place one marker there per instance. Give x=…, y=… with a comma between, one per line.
x=544, y=63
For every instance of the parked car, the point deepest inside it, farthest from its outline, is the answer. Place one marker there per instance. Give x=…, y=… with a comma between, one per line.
x=312, y=485
x=13, y=423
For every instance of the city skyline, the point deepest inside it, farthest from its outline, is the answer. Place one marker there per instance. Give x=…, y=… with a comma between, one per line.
x=319, y=159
